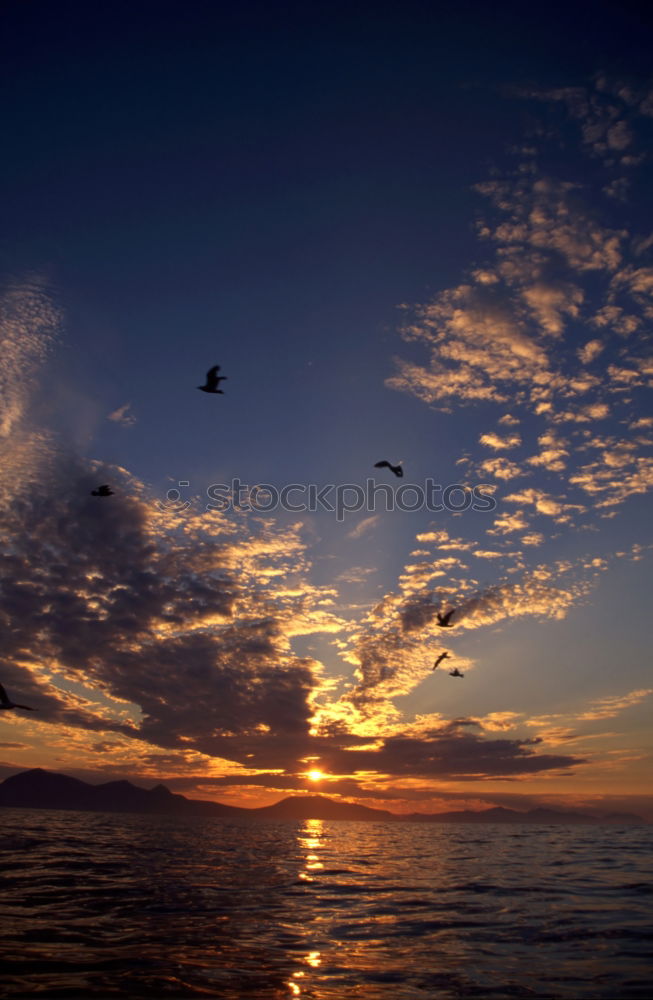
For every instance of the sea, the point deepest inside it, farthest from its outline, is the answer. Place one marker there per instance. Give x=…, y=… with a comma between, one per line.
x=113, y=905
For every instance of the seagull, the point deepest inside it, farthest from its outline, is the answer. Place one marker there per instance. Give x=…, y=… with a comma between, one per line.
x=6, y=702
x=212, y=380
x=102, y=491
x=455, y=673
x=444, y=621
x=397, y=469
x=439, y=660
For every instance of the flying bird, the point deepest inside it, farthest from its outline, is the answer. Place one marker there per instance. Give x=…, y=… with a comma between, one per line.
x=441, y=657
x=444, y=621
x=455, y=673
x=6, y=702
x=397, y=469
x=102, y=491
x=212, y=380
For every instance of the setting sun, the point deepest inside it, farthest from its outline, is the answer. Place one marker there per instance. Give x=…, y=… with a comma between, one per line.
x=315, y=775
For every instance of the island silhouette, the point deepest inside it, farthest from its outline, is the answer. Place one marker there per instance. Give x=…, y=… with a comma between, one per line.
x=41, y=789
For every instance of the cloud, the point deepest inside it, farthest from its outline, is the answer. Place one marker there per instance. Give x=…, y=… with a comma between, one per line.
x=364, y=526
x=498, y=443
x=590, y=351
x=516, y=329
x=479, y=347
x=126, y=606
x=391, y=648
x=449, y=753
x=607, y=708
x=619, y=474
x=607, y=112
x=545, y=214
x=533, y=538
x=583, y=415
x=123, y=416
x=553, y=455
x=355, y=574
x=541, y=501
x=500, y=468
x=507, y=523
x=618, y=188
x=443, y=541
x=551, y=304
x=172, y=629
x=29, y=328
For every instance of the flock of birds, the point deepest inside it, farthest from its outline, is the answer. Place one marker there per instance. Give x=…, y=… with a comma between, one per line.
x=444, y=621
x=212, y=385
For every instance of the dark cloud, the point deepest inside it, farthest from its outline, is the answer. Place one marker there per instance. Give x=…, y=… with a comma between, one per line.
x=449, y=754
x=104, y=593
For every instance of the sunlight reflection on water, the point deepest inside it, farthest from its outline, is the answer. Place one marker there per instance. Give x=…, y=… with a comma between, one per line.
x=131, y=906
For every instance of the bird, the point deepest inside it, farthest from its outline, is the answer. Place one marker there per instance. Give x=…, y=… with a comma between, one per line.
x=6, y=702
x=455, y=673
x=397, y=469
x=441, y=657
x=212, y=380
x=102, y=491
x=444, y=621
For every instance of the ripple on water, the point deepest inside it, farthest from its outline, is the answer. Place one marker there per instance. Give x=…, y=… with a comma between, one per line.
x=134, y=906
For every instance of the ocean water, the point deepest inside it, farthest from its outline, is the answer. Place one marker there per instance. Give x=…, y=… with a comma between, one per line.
x=99, y=905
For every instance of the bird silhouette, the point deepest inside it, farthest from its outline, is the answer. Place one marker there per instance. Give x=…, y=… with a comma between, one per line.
x=441, y=657
x=102, y=491
x=6, y=702
x=444, y=621
x=455, y=673
x=212, y=380
x=397, y=469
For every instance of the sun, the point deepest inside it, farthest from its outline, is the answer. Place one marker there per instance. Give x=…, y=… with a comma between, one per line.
x=315, y=775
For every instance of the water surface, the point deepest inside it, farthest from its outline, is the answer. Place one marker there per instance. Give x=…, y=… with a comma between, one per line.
x=139, y=906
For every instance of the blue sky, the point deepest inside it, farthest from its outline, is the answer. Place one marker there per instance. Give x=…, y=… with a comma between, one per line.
x=404, y=234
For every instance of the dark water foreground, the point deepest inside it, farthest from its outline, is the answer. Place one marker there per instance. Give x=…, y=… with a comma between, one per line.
x=98, y=905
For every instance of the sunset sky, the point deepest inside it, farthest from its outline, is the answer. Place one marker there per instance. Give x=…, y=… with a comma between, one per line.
x=404, y=233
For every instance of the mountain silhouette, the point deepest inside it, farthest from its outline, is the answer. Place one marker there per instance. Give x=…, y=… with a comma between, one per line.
x=320, y=807
x=41, y=789
x=498, y=814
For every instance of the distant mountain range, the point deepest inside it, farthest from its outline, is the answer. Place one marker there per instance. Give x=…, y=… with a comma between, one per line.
x=39, y=789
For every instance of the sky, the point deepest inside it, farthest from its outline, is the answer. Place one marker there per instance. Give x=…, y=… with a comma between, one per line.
x=406, y=232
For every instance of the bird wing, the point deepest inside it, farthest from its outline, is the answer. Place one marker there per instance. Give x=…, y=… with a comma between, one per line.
x=382, y=465
x=212, y=375
x=4, y=697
